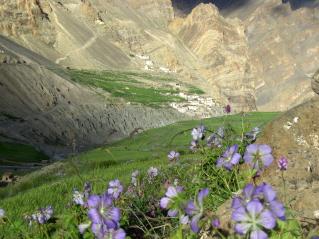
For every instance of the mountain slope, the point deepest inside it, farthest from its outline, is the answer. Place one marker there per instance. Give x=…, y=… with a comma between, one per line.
x=283, y=46
x=136, y=34
x=58, y=116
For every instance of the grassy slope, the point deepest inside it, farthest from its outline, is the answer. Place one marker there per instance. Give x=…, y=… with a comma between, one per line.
x=53, y=185
x=18, y=153
x=147, y=89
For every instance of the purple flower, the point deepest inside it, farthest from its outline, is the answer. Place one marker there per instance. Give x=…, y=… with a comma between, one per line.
x=101, y=231
x=168, y=200
x=115, y=188
x=265, y=194
x=152, y=172
x=253, y=220
x=283, y=163
x=258, y=156
x=134, y=177
x=173, y=156
x=195, y=209
x=229, y=158
x=41, y=216
x=216, y=223
x=101, y=211
x=194, y=146
x=198, y=133
x=227, y=109
x=2, y=213
x=78, y=198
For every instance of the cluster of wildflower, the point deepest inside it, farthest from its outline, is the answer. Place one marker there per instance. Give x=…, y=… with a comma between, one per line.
x=103, y=215
x=197, y=135
x=115, y=189
x=257, y=210
x=230, y=158
x=216, y=138
x=80, y=198
x=173, y=156
x=134, y=177
x=152, y=172
x=41, y=216
x=282, y=163
x=170, y=201
x=258, y=156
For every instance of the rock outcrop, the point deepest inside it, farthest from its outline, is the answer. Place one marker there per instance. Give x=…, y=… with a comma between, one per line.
x=283, y=48
x=221, y=52
x=315, y=82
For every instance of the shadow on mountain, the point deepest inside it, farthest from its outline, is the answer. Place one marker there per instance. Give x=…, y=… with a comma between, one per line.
x=186, y=6
x=296, y=4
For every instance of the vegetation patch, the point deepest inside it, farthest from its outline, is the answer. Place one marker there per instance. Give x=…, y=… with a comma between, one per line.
x=134, y=87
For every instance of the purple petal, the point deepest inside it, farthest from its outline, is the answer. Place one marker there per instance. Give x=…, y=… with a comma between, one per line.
x=94, y=201
x=119, y=234
x=248, y=158
x=194, y=223
x=110, y=224
x=172, y=212
x=278, y=209
x=219, y=162
x=242, y=228
x=164, y=202
x=233, y=149
x=191, y=209
x=201, y=195
x=236, y=203
x=254, y=207
x=94, y=216
x=236, y=158
x=248, y=191
x=115, y=214
x=106, y=200
x=97, y=230
x=267, y=159
x=267, y=220
x=171, y=192
x=264, y=149
x=252, y=148
x=240, y=215
x=258, y=234
x=269, y=193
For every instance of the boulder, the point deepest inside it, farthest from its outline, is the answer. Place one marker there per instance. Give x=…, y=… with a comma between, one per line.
x=315, y=82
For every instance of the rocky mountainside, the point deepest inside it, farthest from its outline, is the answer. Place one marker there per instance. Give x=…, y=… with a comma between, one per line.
x=283, y=47
x=41, y=107
x=253, y=61
x=203, y=48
